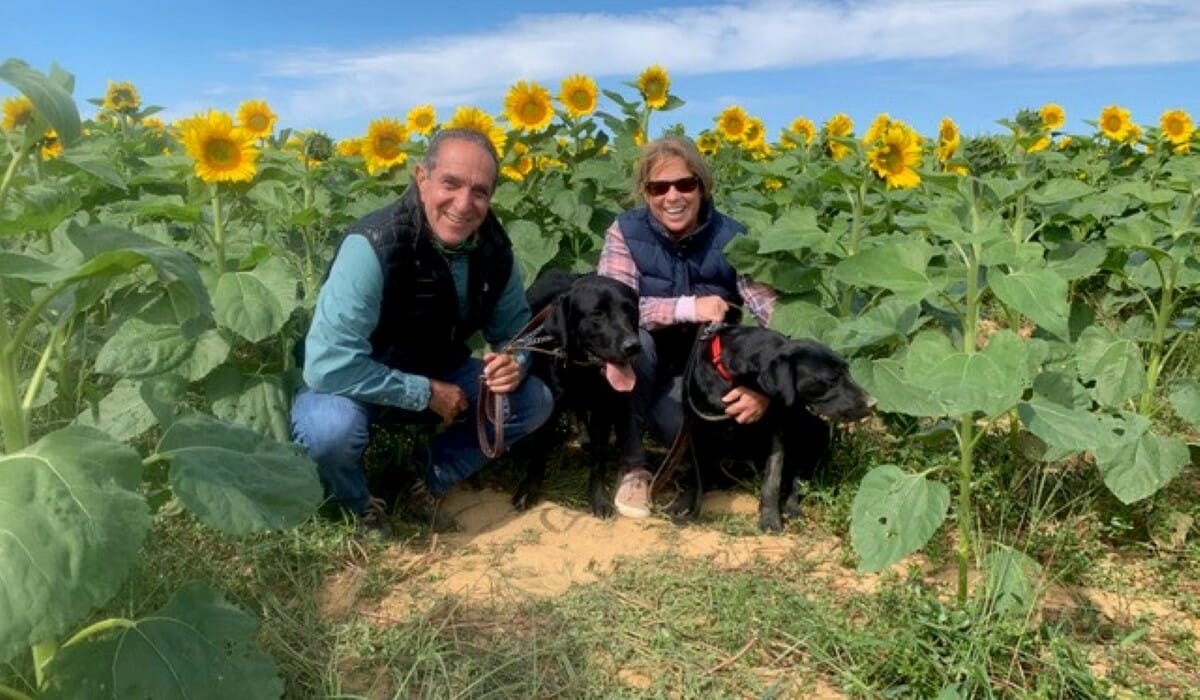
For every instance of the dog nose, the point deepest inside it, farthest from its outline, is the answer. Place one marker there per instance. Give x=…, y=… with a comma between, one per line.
x=631, y=347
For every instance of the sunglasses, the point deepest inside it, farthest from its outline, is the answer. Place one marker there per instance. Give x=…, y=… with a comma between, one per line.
x=684, y=185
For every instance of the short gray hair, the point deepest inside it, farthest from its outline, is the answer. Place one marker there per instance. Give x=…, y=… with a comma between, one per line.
x=429, y=162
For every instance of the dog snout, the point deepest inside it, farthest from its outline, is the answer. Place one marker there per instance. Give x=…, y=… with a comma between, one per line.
x=631, y=347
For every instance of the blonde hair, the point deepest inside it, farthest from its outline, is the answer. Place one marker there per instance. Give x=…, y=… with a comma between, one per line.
x=665, y=147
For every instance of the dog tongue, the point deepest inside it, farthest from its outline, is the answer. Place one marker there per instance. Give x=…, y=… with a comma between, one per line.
x=620, y=375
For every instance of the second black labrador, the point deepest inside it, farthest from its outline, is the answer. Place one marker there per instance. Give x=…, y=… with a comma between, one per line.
x=593, y=329
x=807, y=382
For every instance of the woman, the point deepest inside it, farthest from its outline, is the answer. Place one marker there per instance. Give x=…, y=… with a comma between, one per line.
x=670, y=250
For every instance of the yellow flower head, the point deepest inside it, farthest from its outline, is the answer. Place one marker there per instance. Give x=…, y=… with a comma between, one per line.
x=579, y=95
x=896, y=157
x=527, y=106
x=154, y=124
x=421, y=120
x=877, y=128
x=122, y=97
x=639, y=138
x=1115, y=123
x=349, y=148
x=1040, y=145
x=222, y=151
x=948, y=139
x=256, y=117
x=17, y=112
x=708, y=143
x=654, y=84
x=51, y=146
x=1134, y=135
x=772, y=184
x=479, y=120
x=839, y=125
x=1176, y=126
x=755, y=134
x=732, y=123
x=803, y=128
x=383, y=146
x=1053, y=116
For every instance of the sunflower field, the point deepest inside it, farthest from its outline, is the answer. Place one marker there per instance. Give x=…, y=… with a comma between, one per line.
x=1030, y=294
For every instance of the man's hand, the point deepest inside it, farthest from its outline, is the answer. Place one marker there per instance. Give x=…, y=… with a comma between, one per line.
x=501, y=372
x=446, y=399
x=745, y=405
x=711, y=309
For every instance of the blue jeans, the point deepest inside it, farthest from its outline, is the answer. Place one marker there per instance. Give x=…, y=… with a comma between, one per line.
x=335, y=431
x=656, y=402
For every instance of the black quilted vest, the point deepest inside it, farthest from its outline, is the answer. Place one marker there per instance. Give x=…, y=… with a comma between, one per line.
x=692, y=265
x=420, y=329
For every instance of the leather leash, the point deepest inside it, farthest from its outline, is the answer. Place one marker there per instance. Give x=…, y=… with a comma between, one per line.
x=490, y=405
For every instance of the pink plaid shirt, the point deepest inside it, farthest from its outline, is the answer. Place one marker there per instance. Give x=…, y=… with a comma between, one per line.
x=616, y=262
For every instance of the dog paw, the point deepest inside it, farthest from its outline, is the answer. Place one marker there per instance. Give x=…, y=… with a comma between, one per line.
x=524, y=500
x=770, y=522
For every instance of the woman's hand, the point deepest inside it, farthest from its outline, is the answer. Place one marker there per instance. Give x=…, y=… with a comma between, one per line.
x=745, y=405
x=711, y=309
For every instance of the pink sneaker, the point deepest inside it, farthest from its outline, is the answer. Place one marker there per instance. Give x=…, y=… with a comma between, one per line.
x=632, y=498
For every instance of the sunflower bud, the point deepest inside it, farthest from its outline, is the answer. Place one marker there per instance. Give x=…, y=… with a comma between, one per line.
x=318, y=147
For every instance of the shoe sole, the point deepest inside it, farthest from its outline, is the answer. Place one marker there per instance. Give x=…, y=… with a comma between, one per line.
x=628, y=511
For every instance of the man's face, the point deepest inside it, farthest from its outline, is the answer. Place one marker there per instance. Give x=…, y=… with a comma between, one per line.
x=457, y=191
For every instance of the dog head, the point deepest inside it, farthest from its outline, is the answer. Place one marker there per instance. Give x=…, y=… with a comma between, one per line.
x=808, y=373
x=596, y=321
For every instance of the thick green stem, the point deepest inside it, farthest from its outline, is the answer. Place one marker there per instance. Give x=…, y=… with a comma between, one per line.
x=1166, y=308
x=99, y=628
x=12, y=418
x=218, y=233
x=966, y=468
x=18, y=156
x=856, y=216
x=39, y=374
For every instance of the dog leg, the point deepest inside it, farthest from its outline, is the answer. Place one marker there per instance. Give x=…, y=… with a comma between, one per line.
x=769, y=519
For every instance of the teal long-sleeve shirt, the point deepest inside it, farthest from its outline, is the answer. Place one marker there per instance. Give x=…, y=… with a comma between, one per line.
x=337, y=350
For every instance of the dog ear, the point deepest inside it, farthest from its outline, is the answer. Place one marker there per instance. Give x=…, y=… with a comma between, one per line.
x=776, y=379
x=555, y=324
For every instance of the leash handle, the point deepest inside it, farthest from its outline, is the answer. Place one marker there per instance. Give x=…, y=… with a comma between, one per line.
x=487, y=399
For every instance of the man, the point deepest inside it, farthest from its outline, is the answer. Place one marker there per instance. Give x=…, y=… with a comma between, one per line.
x=409, y=285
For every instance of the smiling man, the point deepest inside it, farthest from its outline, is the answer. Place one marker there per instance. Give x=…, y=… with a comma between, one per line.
x=410, y=284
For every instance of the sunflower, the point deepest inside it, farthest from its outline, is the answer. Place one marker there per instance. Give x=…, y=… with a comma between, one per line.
x=579, y=94
x=1040, y=145
x=877, y=128
x=948, y=139
x=654, y=84
x=222, y=151
x=154, y=124
x=803, y=128
x=755, y=135
x=896, y=157
x=122, y=97
x=771, y=184
x=383, y=146
x=478, y=120
x=839, y=125
x=256, y=117
x=527, y=106
x=1115, y=123
x=349, y=148
x=51, y=146
x=732, y=123
x=1053, y=116
x=17, y=112
x=421, y=120
x=708, y=143
x=1177, y=126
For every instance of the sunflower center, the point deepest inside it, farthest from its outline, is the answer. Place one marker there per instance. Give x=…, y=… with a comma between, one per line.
x=221, y=152
x=580, y=99
x=1112, y=123
x=258, y=122
x=531, y=111
x=387, y=147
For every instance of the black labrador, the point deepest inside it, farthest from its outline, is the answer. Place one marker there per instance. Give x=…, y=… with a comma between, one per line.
x=806, y=382
x=593, y=332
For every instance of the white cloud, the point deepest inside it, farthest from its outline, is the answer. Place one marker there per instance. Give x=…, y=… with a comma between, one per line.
x=733, y=36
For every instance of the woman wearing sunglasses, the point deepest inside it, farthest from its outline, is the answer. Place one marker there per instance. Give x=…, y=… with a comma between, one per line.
x=670, y=250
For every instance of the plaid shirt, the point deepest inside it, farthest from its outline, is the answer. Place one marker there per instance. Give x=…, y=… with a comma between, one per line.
x=655, y=312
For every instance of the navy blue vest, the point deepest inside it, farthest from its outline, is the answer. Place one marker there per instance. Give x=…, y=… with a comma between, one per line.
x=693, y=265
x=420, y=329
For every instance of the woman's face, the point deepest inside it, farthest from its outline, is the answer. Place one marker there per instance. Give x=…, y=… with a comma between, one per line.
x=677, y=211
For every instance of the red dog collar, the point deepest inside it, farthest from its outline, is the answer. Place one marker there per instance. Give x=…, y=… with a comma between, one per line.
x=714, y=353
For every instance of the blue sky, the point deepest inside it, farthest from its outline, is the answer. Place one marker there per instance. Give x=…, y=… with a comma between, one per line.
x=335, y=66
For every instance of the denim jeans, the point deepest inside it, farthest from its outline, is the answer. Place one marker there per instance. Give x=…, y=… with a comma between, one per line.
x=335, y=431
x=656, y=401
